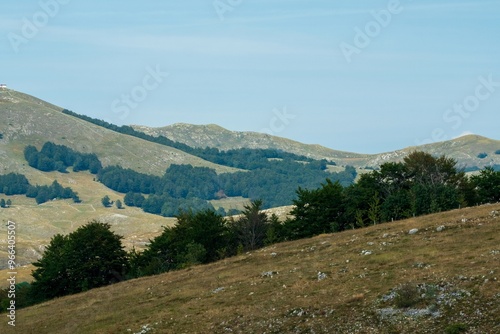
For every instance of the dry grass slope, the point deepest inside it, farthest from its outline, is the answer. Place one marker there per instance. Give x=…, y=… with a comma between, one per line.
x=338, y=283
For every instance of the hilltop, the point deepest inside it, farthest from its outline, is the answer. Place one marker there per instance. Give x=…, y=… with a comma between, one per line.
x=464, y=149
x=441, y=277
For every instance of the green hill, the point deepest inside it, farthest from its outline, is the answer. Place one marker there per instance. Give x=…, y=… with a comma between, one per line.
x=442, y=279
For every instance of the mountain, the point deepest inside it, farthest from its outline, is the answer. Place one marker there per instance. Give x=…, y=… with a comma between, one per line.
x=29, y=121
x=464, y=149
x=442, y=279
x=26, y=120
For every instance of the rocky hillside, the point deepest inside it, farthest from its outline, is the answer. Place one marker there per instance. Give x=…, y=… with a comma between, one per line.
x=432, y=274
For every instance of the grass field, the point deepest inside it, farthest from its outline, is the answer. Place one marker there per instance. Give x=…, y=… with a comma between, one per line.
x=351, y=282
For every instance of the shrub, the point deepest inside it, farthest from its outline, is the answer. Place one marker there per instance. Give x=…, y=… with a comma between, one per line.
x=456, y=329
x=497, y=152
x=482, y=155
x=406, y=296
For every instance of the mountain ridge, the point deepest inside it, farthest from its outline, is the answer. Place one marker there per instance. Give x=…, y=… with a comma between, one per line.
x=212, y=135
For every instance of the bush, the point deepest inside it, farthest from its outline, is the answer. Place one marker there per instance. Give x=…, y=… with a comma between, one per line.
x=482, y=155
x=497, y=152
x=456, y=329
x=406, y=296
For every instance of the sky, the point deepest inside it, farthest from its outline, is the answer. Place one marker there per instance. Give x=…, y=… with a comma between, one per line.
x=364, y=76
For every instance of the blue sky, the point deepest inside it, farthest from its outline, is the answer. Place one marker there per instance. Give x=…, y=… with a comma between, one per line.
x=366, y=76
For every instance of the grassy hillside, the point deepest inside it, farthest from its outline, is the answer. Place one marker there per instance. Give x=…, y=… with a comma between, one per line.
x=36, y=224
x=357, y=281
x=464, y=149
x=26, y=120
x=29, y=121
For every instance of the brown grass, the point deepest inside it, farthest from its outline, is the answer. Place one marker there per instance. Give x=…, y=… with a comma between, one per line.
x=463, y=257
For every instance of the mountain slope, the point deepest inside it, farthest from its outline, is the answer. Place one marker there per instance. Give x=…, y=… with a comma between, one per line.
x=216, y=136
x=350, y=282
x=26, y=120
x=464, y=149
x=29, y=121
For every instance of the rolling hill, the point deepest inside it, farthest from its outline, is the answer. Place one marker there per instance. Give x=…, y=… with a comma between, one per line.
x=26, y=120
x=464, y=149
x=443, y=277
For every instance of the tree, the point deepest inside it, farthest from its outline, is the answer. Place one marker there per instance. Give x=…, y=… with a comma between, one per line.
x=106, y=202
x=200, y=237
x=2, y=203
x=119, y=204
x=90, y=257
x=317, y=211
x=8, y=203
x=487, y=184
x=251, y=227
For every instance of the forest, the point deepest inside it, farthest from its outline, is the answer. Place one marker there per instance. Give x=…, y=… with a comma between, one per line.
x=274, y=180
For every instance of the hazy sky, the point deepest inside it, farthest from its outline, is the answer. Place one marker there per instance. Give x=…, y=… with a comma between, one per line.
x=365, y=76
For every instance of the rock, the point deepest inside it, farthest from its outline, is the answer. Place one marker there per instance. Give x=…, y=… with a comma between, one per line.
x=269, y=274
x=321, y=276
x=366, y=252
x=413, y=231
x=440, y=228
x=218, y=289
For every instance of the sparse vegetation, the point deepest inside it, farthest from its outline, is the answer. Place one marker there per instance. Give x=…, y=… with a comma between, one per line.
x=497, y=152
x=482, y=155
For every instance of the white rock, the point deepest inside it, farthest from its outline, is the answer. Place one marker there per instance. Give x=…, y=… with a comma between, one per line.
x=440, y=228
x=413, y=231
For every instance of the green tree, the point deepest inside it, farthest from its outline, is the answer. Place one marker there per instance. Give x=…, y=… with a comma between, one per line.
x=317, y=211
x=200, y=237
x=251, y=228
x=2, y=203
x=106, y=201
x=90, y=257
x=487, y=184
x=119, y=204
x=8, y=203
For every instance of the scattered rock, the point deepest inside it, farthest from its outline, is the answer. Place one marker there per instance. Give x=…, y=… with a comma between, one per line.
x=270, y=274
x=274, y=254
x=440, y=228
x=494, y=213
x=366, y=252
x=220, y=289
x=413, y=231
x=321, y=276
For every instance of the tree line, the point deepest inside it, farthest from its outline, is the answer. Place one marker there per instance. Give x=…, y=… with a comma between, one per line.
x=54, y=157
x=18, y=184
x=275, y=185
x=271, y=176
